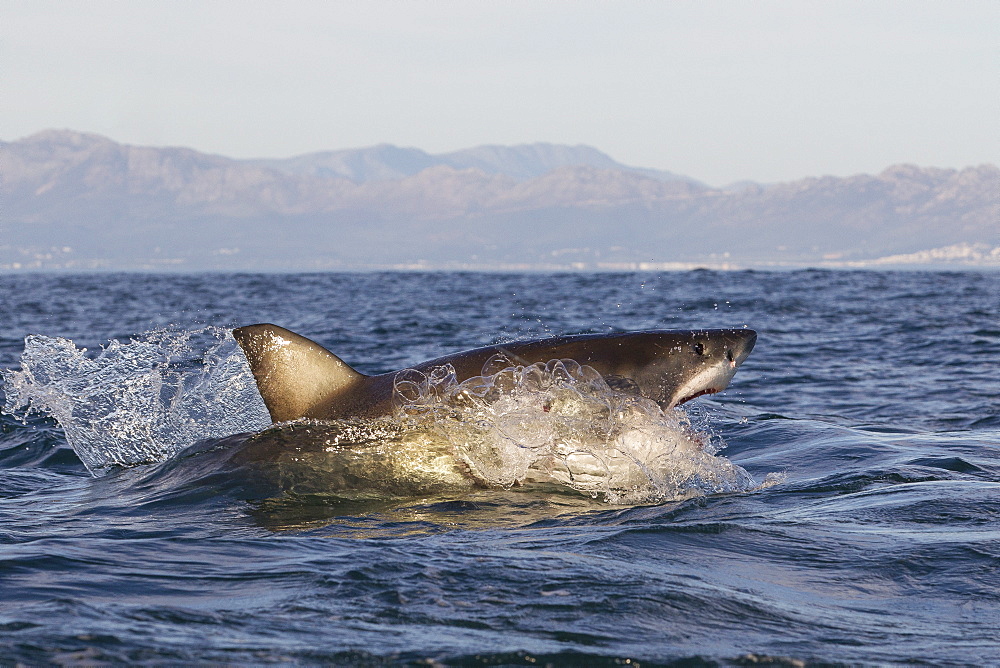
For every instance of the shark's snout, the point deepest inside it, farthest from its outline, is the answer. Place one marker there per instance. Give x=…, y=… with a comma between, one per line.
x=742, y=347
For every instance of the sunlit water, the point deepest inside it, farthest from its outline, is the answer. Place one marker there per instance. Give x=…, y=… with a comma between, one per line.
x=841, y=502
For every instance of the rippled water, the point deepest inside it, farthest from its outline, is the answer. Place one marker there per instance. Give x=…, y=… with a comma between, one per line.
x=874, y=396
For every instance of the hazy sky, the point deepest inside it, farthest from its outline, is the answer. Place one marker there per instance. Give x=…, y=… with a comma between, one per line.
x=720, y=91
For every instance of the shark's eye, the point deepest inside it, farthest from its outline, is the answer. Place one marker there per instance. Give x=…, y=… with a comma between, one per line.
x=699, y=348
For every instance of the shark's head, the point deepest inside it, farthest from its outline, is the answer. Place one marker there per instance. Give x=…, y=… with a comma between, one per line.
x=690, y=364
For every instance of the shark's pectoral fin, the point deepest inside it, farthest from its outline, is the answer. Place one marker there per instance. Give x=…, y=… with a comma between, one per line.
x=296, y=377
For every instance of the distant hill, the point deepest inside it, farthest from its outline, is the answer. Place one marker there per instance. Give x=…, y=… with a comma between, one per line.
x=70, y=200
x=389, y=163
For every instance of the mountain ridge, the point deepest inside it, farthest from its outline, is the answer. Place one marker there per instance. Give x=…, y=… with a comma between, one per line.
x=120, y=206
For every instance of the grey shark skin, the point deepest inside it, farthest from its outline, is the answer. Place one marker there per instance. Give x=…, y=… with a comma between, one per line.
x=299, y=378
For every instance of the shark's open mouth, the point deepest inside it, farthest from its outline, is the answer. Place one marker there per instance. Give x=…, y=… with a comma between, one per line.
x=702, y=393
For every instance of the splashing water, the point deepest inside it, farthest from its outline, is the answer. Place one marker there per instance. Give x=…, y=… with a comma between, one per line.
x=141, y=401
x=561, y=422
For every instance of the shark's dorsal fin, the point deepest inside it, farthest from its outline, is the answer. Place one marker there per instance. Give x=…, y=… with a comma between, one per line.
x=296, y=377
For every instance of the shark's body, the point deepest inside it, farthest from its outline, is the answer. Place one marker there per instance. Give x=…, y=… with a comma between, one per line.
x=298, y=378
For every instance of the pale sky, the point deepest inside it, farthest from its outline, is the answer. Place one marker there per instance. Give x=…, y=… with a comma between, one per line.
x=719, y=91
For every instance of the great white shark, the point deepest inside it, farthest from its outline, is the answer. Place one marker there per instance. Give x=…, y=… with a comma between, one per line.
x=299, y=378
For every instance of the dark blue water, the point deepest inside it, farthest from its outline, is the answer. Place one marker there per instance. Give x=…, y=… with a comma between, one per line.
x=876, y=396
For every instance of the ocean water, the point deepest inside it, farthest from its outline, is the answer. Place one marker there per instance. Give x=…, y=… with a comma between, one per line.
x=839, y=504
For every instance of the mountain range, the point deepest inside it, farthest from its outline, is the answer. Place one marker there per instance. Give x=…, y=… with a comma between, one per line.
x=77, y=201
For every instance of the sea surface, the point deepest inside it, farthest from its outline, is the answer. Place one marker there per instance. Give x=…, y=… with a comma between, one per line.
x=838, y=504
